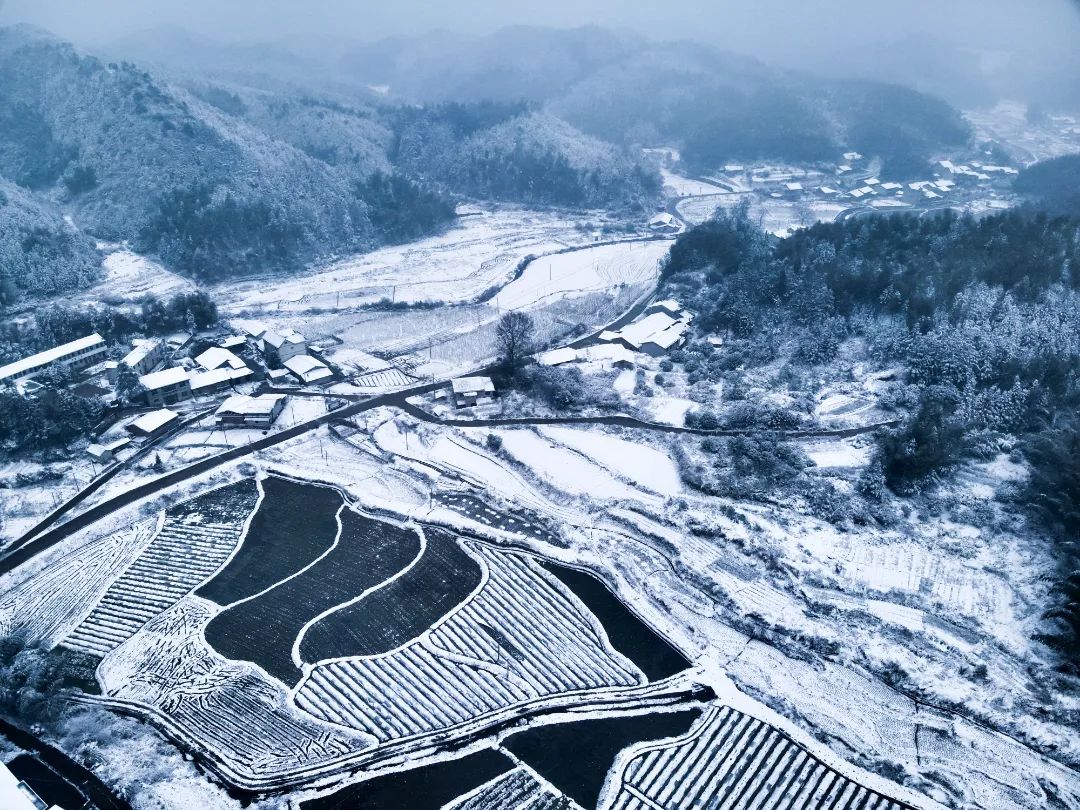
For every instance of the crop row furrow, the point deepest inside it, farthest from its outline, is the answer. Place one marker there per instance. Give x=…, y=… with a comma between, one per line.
x=732, y=761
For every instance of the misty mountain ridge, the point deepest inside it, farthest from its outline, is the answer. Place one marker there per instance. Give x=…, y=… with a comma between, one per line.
x=222, y=176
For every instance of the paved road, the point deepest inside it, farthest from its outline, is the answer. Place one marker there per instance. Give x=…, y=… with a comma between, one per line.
x=29, y=546
x=90, y=786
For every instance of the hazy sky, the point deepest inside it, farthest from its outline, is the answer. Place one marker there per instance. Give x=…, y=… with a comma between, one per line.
x=766, y=27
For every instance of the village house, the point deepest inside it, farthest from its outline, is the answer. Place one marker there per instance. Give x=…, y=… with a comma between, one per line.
x=654, y=334
x=307, y=369
x=215, y=357
x=470, y=391
x=166, y=387
x=204, y=383
x=664, y=223
x=145, y=357
x=281, y=346
x=76, y=355
x=252, y=330
x=153, y=424
x=257, y=412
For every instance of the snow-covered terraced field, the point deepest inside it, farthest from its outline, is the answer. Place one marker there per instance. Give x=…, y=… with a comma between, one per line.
x=178, y=560
x=562, y=468
x=642, y=464
x=45, y=607
x=384, y=378
x=475, y=254
x=520, y=637
x=583, y=271
x=518, y=789
x=245, y=721
x=731, y=761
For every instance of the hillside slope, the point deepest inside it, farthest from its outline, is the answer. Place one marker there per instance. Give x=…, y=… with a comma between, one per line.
x=136, y=159
x=40, y=254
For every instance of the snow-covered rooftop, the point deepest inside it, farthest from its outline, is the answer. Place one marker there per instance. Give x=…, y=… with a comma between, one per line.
x=640, y=332
x=472, y=385
x=163, y=378
x=307, y=368
x=216, y=357
x=262, y=405
x=51, y=355
x=155, y=420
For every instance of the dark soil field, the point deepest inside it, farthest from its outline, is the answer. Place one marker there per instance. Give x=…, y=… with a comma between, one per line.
x=628, y=634
x=262, y=630
x=426, y=788
x=228, y=504
x=401, y=611
x=294, y=525
x=576, y=757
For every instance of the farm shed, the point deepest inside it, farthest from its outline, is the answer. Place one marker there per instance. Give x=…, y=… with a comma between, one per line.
x=259, y=412
x=609, y=353
x=167, y=386
x=558, y=357
x=472, y=391
x=232, y=342
x=307, y=369
x=153, y=424
x=106, y=453
x=77, y=354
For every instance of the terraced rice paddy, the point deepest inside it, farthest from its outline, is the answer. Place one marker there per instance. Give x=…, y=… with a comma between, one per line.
x=427, y=788
x=294, y=525
x=731, y=761
x=628, y=634
x=575, y=757
x=265, y=628
x=519, y=789
x=46, y=607
x=182, y=555
x=520, y=638
x=399, y=612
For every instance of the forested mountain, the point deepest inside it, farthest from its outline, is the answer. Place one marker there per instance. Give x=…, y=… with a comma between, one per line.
x=630, y=90
x=40, y=253
x=506, y=152
x=1053, y=184
x=725, y=108
x=140, y=160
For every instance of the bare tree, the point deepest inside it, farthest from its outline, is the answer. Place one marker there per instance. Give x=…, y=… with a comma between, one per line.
x=515, y=337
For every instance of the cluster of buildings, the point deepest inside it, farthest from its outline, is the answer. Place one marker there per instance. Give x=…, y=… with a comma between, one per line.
x=219, y=368
x=852, y=182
